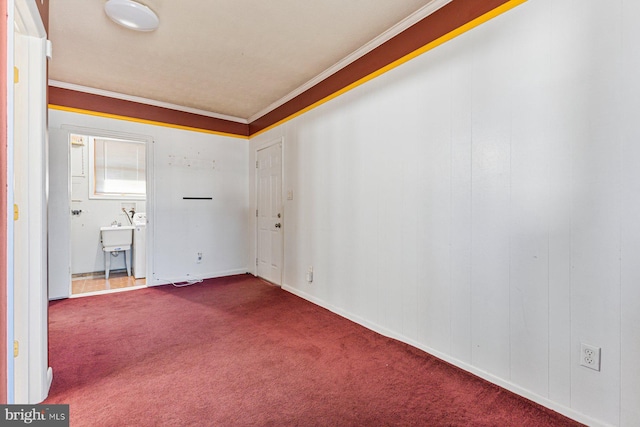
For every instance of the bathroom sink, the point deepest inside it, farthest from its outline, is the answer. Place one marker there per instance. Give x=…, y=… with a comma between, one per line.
x=117, y=237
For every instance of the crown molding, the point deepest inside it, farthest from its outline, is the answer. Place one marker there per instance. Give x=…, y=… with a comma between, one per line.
x=401, y=26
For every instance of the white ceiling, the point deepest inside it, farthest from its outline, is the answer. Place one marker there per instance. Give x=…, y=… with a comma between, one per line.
x=236, y=58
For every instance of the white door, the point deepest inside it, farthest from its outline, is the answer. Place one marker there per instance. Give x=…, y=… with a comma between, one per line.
x=59, y=215
x=31, y=375
x=270, y=213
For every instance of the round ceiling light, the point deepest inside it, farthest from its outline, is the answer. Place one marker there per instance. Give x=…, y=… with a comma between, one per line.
x=132, y=15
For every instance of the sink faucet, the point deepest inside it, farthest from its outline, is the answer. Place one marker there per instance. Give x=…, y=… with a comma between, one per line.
x=114, y=224
x=132, y=212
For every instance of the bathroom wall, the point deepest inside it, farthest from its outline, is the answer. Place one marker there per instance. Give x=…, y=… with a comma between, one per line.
x=86, y=249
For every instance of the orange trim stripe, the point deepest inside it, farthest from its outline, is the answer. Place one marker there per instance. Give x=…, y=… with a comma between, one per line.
x=143, y=121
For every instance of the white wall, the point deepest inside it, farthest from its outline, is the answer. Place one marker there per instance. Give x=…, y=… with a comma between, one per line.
x=482, y=202
x=183, y=166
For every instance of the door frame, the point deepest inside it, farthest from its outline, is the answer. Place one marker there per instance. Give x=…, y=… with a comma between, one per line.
x=260, y=147
x=150, y=179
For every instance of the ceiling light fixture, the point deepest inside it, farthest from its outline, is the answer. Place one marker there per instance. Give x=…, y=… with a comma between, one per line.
x=132, y=15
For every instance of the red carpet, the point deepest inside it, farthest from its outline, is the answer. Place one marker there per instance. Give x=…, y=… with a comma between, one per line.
x=238, y=352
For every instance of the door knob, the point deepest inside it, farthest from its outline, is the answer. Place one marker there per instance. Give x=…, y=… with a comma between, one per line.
x=278, y=225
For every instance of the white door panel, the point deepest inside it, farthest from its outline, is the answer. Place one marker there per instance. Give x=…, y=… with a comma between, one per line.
x=30, y=377
x=270, y=218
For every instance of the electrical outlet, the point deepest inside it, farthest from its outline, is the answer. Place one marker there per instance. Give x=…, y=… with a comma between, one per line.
x=310, y=274
x=590, y=356
x=199, y=259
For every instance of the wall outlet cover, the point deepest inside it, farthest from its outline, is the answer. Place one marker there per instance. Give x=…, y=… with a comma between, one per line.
x=590, y=356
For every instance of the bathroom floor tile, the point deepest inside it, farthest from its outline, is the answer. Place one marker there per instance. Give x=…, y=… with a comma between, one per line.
x=117, y=280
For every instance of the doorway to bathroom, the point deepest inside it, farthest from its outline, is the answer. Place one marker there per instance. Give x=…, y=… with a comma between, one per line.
x=106, y=213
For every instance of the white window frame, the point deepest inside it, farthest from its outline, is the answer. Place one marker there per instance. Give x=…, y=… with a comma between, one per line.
x=91, y=169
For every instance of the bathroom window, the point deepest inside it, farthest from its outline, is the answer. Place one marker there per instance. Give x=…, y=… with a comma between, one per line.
x=117, y=169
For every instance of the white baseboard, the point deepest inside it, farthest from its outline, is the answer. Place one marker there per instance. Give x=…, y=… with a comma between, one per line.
x=159, y=281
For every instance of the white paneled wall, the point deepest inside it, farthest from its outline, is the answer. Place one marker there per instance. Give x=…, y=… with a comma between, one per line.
x=482, y=202
x=630, y=223
x=182, y=168
x=216, y=228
